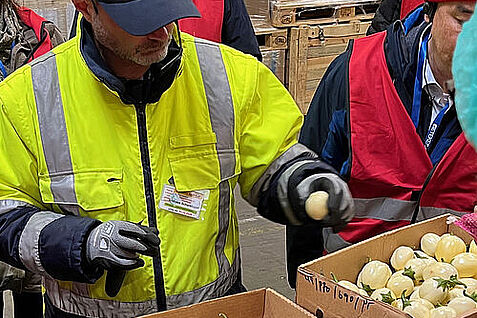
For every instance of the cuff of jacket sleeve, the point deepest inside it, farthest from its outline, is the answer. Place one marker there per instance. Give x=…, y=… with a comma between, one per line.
x=61, y=249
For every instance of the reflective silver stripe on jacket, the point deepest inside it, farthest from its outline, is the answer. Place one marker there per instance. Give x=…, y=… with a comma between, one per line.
x=213, y=290
x=28, y=247
x=430, y=212
x=222, y=118
x=81, y=305
x=386, y=209
x=263, y=182
x=9, y=205
x=54, y=137
x=77, y=301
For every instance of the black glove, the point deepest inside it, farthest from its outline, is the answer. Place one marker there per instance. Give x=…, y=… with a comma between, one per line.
x=340, y=202
x=115, y=245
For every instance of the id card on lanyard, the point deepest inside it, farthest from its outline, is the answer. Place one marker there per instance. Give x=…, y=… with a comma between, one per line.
x=416, y=104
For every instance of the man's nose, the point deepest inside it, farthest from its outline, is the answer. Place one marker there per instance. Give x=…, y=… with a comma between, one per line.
x=161, y=34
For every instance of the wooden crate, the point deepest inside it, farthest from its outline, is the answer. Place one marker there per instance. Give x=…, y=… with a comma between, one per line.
x=287, y=13
x=273, y=44
x=312, y=49
x=60, y=12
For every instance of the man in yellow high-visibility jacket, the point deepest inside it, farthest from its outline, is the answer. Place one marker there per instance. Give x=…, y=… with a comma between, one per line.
x=120, y=151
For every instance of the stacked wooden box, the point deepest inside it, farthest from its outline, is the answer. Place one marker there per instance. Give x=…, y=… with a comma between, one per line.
x=317, y=31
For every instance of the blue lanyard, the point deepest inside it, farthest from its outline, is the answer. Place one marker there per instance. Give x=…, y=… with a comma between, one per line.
x=3, y=70
x=416, y=104
x=432, y=130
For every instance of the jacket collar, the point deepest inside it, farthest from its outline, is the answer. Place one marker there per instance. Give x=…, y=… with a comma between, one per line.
x=137, y=92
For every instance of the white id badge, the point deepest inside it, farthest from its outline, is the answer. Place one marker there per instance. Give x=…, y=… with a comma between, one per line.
x=183, y=203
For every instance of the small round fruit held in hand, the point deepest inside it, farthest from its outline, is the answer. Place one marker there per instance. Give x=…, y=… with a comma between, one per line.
x=316, y=205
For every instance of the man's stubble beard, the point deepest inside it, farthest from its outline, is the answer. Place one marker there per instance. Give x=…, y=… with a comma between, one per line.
x=133, y=54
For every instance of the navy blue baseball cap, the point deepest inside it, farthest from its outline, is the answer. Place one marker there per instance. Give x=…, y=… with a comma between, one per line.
x=141, y=17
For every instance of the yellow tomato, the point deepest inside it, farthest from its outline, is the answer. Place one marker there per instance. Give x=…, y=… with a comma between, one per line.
x=466, y=264
x=473, y=247
x=448, y=247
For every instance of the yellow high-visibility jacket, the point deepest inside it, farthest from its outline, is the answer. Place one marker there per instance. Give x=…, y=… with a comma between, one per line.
x=72, y=150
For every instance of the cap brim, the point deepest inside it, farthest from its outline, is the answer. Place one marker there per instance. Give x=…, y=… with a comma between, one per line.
x=141, y=17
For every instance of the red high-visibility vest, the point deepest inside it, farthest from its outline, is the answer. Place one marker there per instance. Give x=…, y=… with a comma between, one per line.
x=409, y=5
x=209, y=26
x=389, y=160
x=36, y=22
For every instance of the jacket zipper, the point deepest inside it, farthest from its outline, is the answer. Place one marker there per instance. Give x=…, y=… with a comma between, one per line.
x=150, y=202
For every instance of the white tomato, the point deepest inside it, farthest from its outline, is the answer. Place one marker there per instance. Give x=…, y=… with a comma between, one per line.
x=374, y=274
x=416, y=265
x=400, y=256
x=462, y=305
x=417, y=310
x=381, y=293
x=349, y=285
x=455, y=292
x=471, y=284
x=439, y=269
x=431, y=291
x=448, y=247
x=429, y=243
x=399, y=283
x=466, y=264
x=415, y=293
x=443, y=312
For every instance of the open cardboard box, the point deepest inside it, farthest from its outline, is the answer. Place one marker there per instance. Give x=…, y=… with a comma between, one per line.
x=319, y=294
x=262, y=303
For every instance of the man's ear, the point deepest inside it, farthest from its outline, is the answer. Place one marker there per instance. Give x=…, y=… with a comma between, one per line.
x=86, y=8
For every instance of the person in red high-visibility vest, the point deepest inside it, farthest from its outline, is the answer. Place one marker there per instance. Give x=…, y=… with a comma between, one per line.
x=393, y=136
x=223, y=21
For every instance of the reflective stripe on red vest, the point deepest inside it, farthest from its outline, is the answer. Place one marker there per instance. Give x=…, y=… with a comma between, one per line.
x=209, y=26
x=34, y=21
x=389, y=160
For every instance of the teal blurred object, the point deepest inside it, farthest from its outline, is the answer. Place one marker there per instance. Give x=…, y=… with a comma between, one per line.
x=465, y=77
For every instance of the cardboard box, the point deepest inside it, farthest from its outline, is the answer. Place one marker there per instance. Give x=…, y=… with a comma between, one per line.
x=262, y=303
x=317, y=293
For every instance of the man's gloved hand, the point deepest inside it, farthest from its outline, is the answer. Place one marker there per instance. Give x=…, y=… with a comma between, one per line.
x=340, y=203
x=115, y=245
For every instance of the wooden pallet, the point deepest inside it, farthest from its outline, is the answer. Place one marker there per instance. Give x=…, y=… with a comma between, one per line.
x=269, y=36
x=273, y=44
x=287, y=13
x=312, y=49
